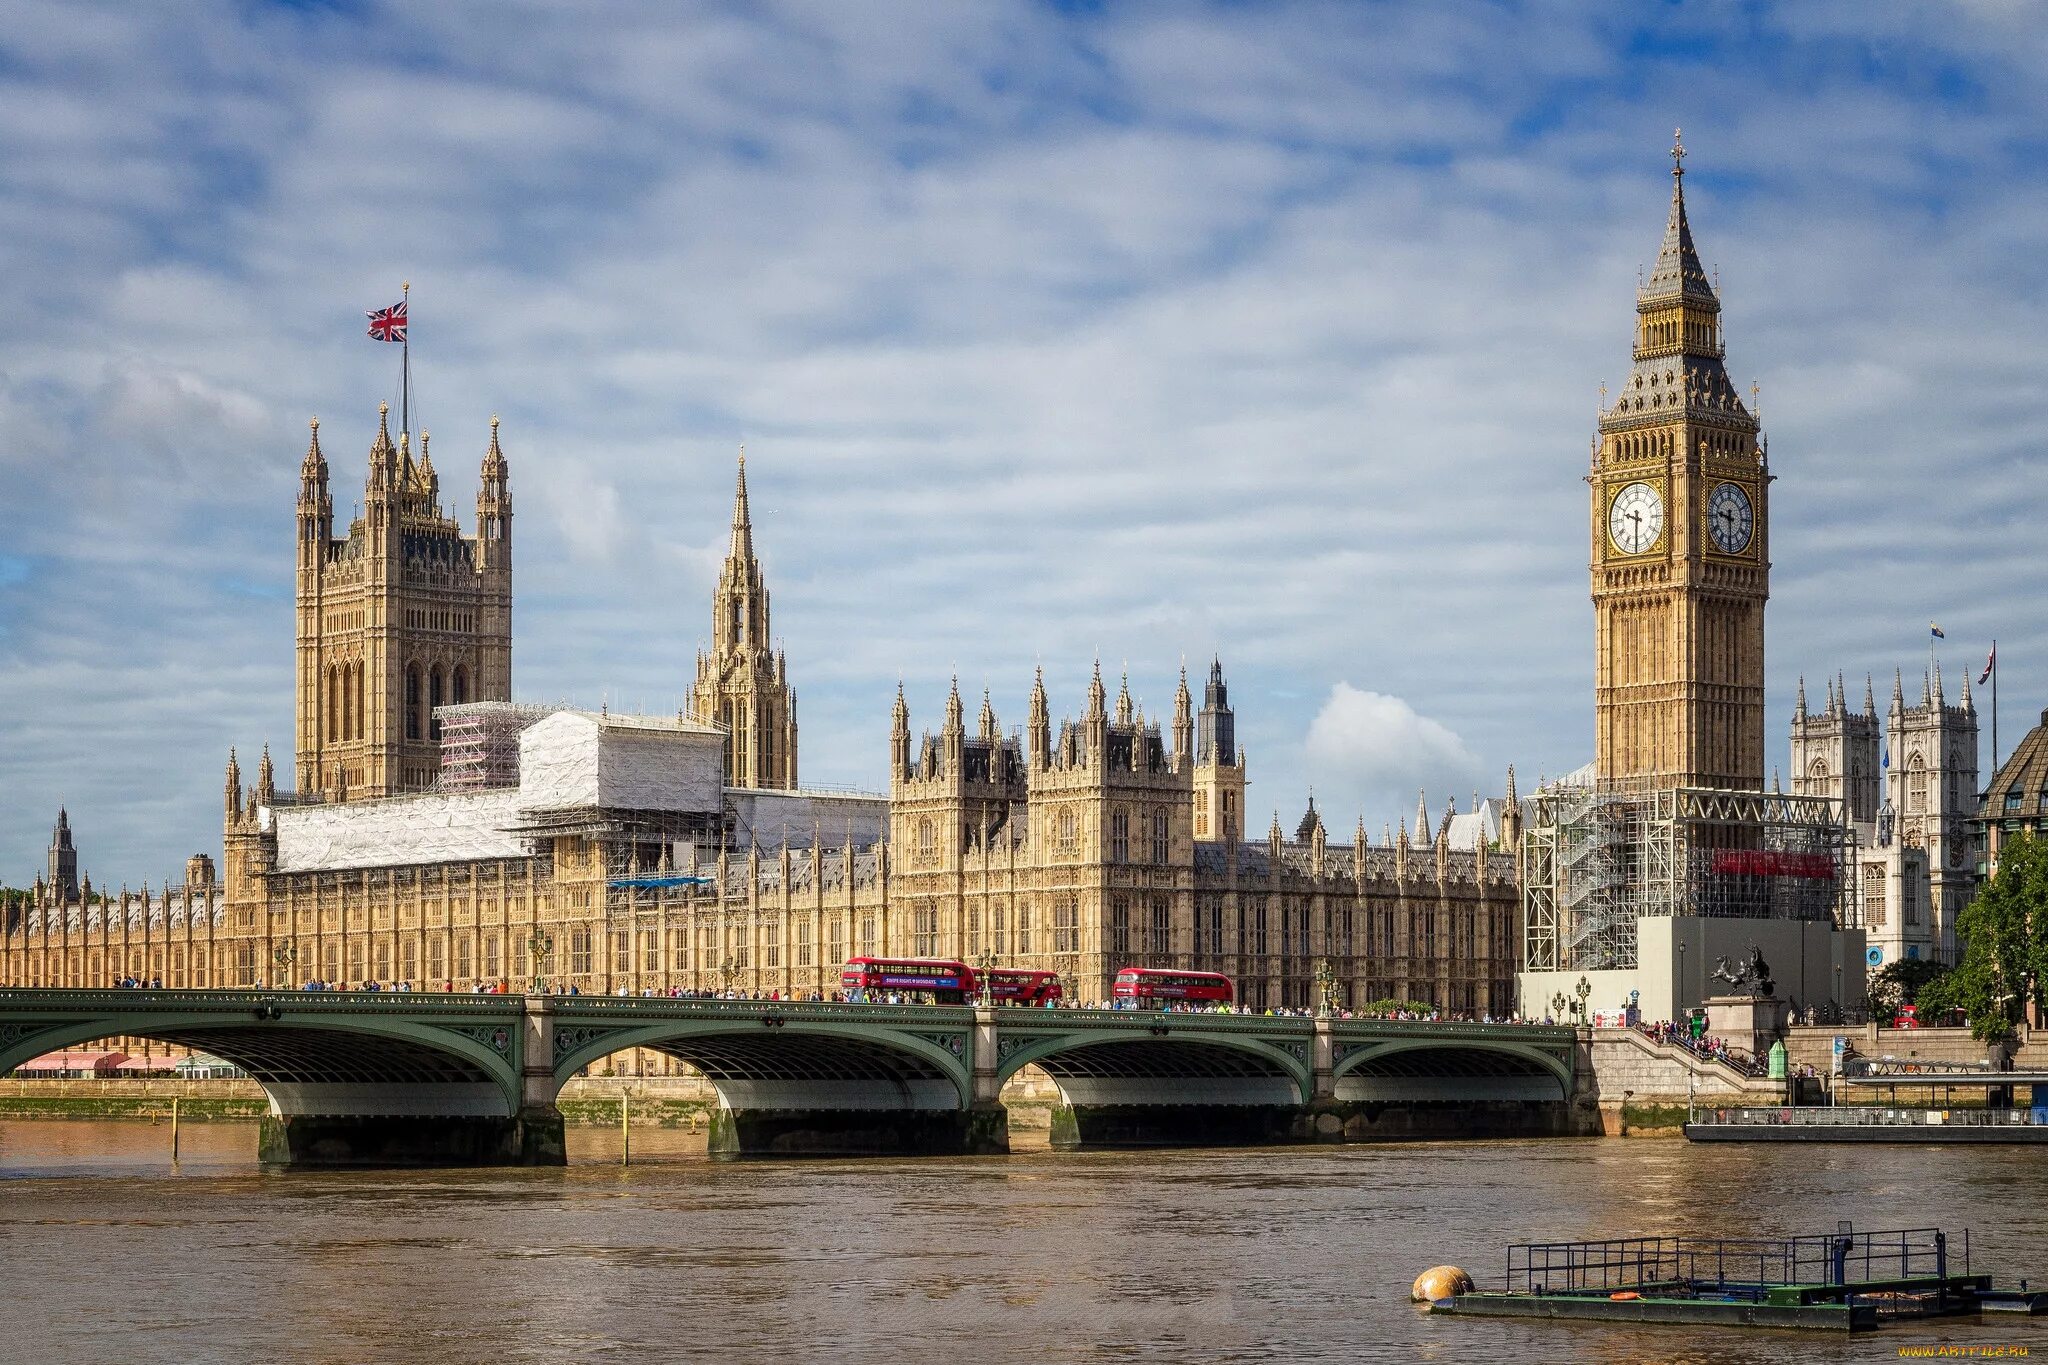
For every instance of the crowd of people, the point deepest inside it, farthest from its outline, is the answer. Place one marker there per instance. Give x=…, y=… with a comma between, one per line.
x=1695, y=1040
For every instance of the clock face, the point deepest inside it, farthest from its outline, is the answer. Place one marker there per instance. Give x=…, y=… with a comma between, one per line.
x=1635, y=518
x=1729, y=518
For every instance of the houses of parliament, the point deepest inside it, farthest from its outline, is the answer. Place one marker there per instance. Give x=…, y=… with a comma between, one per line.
x=442, y=834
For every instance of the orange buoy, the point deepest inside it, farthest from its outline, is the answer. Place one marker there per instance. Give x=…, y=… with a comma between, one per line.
x=1625, y=1294
x=1439, y=1282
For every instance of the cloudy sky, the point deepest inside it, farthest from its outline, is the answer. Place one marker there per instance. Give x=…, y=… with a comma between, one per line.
x=1053, y=331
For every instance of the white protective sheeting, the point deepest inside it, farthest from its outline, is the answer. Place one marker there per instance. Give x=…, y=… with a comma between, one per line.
x=574, y=760
x=434, y=828
x=771, y=819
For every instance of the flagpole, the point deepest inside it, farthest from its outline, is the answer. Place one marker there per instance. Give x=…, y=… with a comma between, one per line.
x=405, y=365
x=1994, y=708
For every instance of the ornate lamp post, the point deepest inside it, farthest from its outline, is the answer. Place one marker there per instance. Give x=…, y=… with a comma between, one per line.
x=1557, y=1004
x=984, y=963
x=539, y=947
x=1582, y=990
x=728, y=972
x=286, y=954
x=1326, y=988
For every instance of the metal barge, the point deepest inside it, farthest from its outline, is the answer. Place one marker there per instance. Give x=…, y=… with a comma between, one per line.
x=1844, y=1281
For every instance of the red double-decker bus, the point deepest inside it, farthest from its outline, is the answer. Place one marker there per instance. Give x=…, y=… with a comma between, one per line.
x=1141, y=988
x=940, y=982
x=1020, y=986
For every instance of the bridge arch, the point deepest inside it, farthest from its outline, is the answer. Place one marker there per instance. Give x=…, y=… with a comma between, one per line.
x=780, y=1062
x=1164, y=1065
x=329, y=1063
x=1439, y=1069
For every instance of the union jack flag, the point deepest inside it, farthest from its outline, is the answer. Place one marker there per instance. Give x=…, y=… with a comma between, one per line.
x=388, y=324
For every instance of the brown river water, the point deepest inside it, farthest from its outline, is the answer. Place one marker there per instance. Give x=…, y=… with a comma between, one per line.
x=110, y=1254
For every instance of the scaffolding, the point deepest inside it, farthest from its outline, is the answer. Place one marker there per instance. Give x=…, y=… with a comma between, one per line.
x=1603, y=856
x=480, y=742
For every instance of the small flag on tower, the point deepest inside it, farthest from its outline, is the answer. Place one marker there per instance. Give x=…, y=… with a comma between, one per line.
x=1990, y=662
x=388, y=324
x=1931, y=626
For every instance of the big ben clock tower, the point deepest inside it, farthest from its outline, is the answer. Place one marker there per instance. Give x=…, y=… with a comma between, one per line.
x=1681, y=565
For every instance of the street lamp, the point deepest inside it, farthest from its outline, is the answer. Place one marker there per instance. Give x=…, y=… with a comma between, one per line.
x=539, y=947
x=985, y=963
x=1326, y=988
x=728, y=972
x=286, y=954
x=1582, y=990
x=1557, y=1004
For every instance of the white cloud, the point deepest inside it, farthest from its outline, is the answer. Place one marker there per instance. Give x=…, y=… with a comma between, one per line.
x=1371, y=752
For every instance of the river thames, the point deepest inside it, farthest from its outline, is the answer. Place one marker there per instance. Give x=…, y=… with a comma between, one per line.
x=1285, y=1254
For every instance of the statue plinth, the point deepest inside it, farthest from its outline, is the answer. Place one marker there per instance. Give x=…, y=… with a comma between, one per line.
x=1749, y=1023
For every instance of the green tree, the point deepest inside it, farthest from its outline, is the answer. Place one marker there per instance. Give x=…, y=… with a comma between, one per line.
x=1904, y=983
x=2004, y=933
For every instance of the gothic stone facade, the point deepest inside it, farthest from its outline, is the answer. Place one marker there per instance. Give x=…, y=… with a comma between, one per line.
x=1680, y=545
x=1909, y=794
x=1075, y=854
x=1078, y=851
x=402, y=615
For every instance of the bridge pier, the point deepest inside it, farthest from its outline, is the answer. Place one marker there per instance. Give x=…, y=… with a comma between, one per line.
x=1083, y=1127
x=533, y=1137
x=740, y=1133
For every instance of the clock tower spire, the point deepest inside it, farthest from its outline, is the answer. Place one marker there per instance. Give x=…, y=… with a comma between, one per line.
x=1680, y=561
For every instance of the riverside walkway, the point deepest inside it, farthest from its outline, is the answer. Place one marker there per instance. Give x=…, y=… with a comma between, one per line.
x=456, y=1079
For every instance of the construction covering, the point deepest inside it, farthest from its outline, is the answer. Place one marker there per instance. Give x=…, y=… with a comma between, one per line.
x=770, y=819
x=1600, y=857
x=576, y=760
x=580, y=769
x=438, y=827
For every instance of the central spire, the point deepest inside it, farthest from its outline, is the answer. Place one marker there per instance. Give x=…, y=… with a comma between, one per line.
x=1678, y=270
x=742, y=517
x=742, y=683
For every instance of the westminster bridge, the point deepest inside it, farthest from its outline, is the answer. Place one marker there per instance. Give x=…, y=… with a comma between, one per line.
x=401, y=1078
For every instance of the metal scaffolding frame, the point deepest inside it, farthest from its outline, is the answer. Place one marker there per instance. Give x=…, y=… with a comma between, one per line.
x=480, y=742
x=1600, y=857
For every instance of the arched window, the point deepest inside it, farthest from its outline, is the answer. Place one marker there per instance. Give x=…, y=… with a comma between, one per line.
x=1916, y=783
x=333, y=702
x=435, y=697
x=356, y=706
x=460, y=694
x=412, y=701
x=926, y=838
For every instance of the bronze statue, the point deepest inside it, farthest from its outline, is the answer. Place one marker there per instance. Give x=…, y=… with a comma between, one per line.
x=1753, y=977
